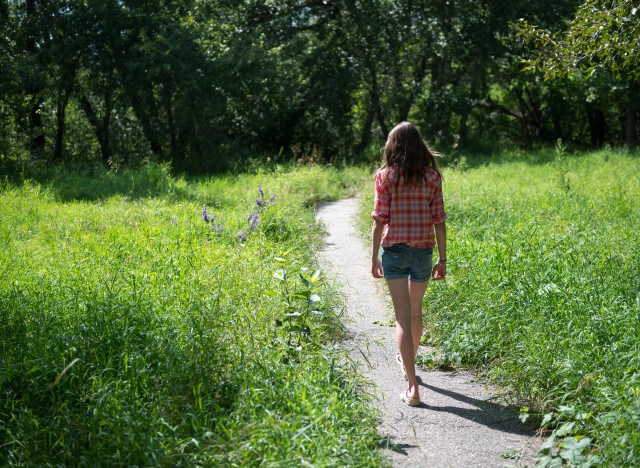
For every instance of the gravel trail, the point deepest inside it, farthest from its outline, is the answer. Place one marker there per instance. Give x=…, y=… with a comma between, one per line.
x=461, y=422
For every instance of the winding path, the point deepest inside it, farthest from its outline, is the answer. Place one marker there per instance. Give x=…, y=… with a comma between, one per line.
x=461, y=423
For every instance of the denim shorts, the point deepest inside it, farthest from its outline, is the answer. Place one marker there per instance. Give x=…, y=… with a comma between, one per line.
x=402, y=261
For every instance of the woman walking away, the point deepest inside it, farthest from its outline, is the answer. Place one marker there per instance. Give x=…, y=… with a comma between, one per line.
x=408, y=205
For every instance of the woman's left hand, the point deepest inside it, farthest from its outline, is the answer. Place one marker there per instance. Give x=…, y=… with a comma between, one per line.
x=439, y=271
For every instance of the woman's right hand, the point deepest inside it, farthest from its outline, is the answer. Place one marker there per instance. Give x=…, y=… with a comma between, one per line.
x=376, y=268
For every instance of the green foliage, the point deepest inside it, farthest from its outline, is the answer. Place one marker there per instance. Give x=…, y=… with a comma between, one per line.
x=543, y=293
x=135, y=333
x=301, y=306
x=205, y=84
x=599, y=52
x=602, y=35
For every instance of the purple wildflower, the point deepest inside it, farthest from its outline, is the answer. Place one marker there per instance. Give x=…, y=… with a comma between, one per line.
x=242, y=236
x=309, y=226
x=261, y=203
x=219, y=228
x=273, y=197
x=254, y=220
x=260, y=190
x=205, y=216
x=174, y=222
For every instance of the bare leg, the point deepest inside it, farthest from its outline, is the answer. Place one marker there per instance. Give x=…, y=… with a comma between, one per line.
x=416, y=295
x=399, y=289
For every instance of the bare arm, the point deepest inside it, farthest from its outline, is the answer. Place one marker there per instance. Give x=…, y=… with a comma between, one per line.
x=376, y=239
x=440, y=269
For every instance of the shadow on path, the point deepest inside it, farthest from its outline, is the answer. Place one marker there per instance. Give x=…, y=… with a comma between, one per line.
x=499, y=417
x=387, y=443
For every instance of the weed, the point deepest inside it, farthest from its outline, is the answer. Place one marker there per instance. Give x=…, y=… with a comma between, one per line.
x=561, y=160
x=299, y=303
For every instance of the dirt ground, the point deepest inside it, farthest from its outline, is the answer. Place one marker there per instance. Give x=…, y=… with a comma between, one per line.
x=461, y=422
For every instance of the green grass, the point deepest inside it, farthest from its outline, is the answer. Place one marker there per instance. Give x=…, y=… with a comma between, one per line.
x=543, y=292
x=133, y=333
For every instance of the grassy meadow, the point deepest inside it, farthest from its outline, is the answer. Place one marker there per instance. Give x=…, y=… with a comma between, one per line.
x=134, y=332
x=543, y=293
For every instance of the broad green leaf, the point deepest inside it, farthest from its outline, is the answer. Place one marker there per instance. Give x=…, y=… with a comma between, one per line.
x=305, y=295
x=548, y=444
x=565, y=429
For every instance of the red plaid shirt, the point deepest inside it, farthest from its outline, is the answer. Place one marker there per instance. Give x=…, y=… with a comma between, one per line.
x=409, y=212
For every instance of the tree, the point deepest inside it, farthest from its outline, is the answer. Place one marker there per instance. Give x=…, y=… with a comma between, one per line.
x=602, y=40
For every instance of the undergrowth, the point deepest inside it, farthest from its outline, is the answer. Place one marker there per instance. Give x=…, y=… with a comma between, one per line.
x=138, y=331
x=543, y=293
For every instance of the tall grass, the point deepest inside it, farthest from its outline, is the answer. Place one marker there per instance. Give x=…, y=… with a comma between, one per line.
x=135, y=333
x=543, y=293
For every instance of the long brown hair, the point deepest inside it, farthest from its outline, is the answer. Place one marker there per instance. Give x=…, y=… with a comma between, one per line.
x=408, y=155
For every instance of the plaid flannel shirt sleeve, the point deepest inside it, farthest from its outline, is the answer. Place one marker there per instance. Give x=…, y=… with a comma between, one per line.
x=437, y=204
x=382, y=202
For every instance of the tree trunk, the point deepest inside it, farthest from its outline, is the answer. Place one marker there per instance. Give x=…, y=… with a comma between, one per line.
x=61, y=107
x=477, y=76
x=631, y=130
x=365, y=136
x=143, y=102
x=384, y=129
x=418, y=79
x=105, y=146
x=439, y=111
x=35, y=125
x=166, y=92
x=148, y=124
x=4, y=10
x=374, y=94
x=464, y=128
x=375, y=102
x=37, y=138
x=101, y=128
x=536, y=116
x=597, y=126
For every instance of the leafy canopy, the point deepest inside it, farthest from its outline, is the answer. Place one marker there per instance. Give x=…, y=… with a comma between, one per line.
x=603, y=35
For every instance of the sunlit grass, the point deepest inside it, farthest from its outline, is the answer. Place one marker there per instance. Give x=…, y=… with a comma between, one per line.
x=135, y=334
x=543, y=291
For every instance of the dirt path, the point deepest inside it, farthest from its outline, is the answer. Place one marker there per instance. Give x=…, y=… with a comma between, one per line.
x=460, y=422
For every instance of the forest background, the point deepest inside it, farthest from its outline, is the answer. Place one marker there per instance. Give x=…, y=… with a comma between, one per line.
x=207, y=84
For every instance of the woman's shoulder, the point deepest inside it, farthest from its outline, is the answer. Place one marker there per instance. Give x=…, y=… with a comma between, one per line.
x=385, y=175
x=433, y=176
x=384, y=171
